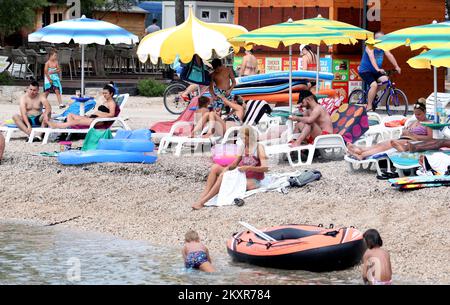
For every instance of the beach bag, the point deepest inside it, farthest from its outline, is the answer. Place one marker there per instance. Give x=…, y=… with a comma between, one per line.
x=93, y=137
x=195, y=74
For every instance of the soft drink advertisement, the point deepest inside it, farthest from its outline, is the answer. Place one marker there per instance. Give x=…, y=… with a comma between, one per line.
x=273, y=64
x=353, y=72
x=341, y=90
x=286, y=64
x=340, y=69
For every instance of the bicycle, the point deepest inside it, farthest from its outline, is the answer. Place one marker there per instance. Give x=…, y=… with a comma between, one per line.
x=395, y=99
x=173, y=101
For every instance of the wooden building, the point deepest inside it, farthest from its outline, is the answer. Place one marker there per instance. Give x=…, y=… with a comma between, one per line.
x=391, y=16
x=132, y=19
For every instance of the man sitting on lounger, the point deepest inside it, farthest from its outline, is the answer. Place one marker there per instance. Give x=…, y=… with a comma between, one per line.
x=31, y=114
x=314, y=122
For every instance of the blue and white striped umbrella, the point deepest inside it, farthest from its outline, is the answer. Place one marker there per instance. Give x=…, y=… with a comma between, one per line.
x=83, y=31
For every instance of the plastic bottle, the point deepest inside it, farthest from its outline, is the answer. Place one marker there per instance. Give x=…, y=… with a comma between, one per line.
x=438, y=111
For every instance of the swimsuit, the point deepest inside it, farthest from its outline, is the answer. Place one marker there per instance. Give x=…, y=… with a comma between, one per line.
x=252, y=160
x=218, y=103
x=233, y=118
x=101, y=108
x=34, y=119
x=55, y=79
x=310, y=139
x=195, y=259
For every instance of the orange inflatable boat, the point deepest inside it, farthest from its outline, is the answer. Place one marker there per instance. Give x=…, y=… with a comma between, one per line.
x=284, y=97
x=304, y=247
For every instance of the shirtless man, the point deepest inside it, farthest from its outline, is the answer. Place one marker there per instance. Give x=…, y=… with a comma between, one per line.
x=376, y=268
x=315, y=120
x=31, y=104
x=249, y=64
x=222, y=83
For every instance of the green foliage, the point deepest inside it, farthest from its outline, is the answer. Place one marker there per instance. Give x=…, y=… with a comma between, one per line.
x=5, y=78
x=15, y=15
x=149, y=87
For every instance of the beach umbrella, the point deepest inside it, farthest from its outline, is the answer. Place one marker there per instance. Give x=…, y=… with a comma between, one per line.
x=83, y=31
x=289, y=33
x=337, y=26
x=429, y=36
x=439, y=57
x=191, y=37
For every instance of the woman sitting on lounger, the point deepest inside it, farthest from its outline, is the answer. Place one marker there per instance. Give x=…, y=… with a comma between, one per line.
x=252, y=161
x=415, y=132
x=108, y=109
x=217, y=124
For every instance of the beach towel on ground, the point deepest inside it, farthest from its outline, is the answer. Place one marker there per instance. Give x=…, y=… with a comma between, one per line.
x=439, y=162
x=93, y=136
x=272, y=182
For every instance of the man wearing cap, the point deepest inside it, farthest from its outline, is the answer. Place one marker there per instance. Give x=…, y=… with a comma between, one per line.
x=370, y=68
x=314, y=122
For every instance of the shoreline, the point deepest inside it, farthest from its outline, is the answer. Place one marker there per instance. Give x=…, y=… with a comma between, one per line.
x=153, y=202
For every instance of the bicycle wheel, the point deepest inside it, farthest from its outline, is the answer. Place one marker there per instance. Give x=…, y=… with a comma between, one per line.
x=172, y=99
x=357, y=96
x=397, y=103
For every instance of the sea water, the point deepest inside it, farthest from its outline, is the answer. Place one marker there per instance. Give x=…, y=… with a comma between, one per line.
x=32, y=254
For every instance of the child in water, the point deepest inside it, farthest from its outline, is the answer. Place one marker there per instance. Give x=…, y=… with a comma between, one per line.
x=195, y=254
x=52, y=80
x=376, y=261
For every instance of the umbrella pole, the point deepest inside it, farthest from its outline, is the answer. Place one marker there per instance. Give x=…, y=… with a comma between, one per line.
x=318, y=68
x=290, y=124
x=436, y=120
x=82, y=79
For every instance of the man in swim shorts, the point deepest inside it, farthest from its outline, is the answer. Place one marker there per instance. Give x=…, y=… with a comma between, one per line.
x=314, y=122
x=222, y=83
x=31, y=110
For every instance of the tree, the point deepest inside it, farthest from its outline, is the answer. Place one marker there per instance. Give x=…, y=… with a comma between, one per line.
x=179, y=12
x=15, y=15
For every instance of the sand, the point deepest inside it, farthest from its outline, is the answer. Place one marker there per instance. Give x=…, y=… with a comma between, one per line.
x=153, y=202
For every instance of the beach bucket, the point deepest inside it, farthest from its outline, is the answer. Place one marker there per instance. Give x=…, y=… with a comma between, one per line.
x=65, y=145
x=224, y=154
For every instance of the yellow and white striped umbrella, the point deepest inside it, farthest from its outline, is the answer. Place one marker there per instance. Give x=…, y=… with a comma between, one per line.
x=191, y=37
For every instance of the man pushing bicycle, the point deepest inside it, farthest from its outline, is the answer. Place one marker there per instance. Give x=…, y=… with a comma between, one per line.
x=370, y=69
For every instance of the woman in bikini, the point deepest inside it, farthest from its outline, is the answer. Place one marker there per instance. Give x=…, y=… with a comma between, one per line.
x=309, y=62
x=415, y=132
x=249, y=64
x=252, y=160
x=108, y=109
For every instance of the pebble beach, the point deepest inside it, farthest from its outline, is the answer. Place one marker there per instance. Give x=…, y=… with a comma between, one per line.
x=153, y=202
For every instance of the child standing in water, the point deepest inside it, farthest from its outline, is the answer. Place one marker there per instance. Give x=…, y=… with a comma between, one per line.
x=376, y=261
x=52, y=79
x=195, y=254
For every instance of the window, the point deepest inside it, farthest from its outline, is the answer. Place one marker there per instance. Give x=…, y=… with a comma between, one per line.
x=223, y=16
x=60, y=16
x=205, y=15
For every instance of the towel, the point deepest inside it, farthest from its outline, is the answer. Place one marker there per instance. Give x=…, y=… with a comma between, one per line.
x=234, y=185
x=272, y=182
x=439, y=162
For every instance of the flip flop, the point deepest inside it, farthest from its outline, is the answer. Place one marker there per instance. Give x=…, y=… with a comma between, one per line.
x=239, y=202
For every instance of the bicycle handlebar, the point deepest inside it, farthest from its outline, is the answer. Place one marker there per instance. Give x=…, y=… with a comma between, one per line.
x=390, y=72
